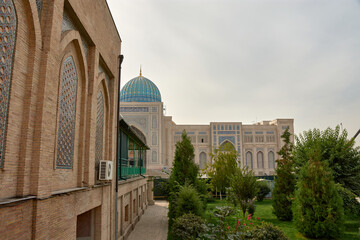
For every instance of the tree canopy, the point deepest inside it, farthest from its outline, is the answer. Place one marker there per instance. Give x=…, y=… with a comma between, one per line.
x=223, y=166
x=334, y=147
x=244, y=186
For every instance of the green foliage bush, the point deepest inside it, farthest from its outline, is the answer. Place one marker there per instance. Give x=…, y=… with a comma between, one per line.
x=285, y=181
x=210, y=197
x=231, y=197
x=161, y=187
x=264, y=190
x=203, y=188
x=351, y=205
x=267, y=231
x=188, y=201
x=318, y=210
x=188, y=227
x=220, y=228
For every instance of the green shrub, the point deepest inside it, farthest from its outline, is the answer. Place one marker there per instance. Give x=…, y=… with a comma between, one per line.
x=318, y=210
x=351, y=205
x=210, y=197
x=264, y=190
x=188, y=201
x=161, y=187
x=203, y=189
x=231, y=197
x=218, y=228
x=187, y=227
x=267, y=231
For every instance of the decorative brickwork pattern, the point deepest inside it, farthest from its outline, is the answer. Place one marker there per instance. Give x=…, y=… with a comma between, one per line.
x=7, y=44
x=229, y=138
x=134, y=109
x=39, y=4
x=68, y=25
x=99, y=127
x=67, y=115
x=100, y=70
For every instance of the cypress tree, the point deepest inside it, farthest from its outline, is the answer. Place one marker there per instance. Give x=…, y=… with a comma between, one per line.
x=285, y=181
x=318, y=210
x=184, y=171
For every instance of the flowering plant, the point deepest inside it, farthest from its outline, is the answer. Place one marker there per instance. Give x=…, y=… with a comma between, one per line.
x=225, y=226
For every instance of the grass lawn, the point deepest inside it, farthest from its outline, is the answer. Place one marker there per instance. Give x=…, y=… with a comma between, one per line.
x=264, y=212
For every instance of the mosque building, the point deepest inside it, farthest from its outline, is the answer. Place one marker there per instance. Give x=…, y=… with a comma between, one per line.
x=257, y=144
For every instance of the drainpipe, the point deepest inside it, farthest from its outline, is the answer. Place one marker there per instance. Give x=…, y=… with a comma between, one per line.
x=121, y=58
x=142, y=161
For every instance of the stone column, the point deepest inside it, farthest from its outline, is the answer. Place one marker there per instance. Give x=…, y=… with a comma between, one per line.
x=150, y=191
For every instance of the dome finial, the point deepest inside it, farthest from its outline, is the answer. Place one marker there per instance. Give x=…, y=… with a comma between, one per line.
x=140, y=71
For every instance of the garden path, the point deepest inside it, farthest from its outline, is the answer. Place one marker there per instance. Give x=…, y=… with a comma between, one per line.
x=153, y=224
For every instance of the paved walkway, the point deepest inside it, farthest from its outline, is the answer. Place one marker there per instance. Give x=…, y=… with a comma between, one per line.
x=153, y=224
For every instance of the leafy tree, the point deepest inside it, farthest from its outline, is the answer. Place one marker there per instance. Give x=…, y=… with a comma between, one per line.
x=223, y=166
x=341, y=155
x=244, y=187
x=184, y=171
x=264, y=189
x=318, y=208
x=285, y=180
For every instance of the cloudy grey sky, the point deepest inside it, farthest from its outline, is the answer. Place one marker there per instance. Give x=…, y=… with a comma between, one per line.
x=247, y=61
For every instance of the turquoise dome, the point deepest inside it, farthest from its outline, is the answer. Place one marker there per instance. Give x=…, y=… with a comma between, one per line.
x=140, y=89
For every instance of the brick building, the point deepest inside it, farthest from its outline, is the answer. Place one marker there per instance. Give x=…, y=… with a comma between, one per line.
x=59, y=87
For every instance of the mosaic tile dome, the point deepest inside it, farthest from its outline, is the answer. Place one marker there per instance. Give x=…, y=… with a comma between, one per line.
x=140, y=89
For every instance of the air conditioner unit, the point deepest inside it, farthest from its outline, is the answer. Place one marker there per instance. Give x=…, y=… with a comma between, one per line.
x=105, y=170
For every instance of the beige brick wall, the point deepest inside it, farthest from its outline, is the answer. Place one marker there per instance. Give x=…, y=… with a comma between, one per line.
x=31, y=140
x=12, y=217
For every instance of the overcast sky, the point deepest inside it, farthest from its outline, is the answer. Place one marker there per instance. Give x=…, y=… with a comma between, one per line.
x=247, y=61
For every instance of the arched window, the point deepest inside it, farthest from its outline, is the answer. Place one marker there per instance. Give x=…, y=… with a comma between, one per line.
x=249, y=160
x=260, y=160
x=99, y=128
x=154, y=138
x=154, y=157
x=154, y=121
x=7, y=45
x=227, y=146
x=67, y=116
x=202, y=160
x=271, y=159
